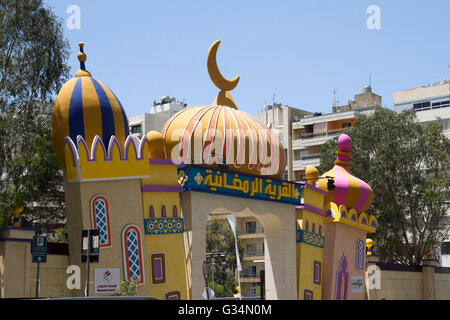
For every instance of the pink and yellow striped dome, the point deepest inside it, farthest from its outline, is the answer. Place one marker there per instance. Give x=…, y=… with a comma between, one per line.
x=349, y=190
x=218, y=134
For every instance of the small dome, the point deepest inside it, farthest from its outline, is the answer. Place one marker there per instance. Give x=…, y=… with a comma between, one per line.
x=349, y=190
x=85, y=106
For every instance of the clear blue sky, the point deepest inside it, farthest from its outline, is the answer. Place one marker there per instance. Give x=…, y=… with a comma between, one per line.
x=299, y=50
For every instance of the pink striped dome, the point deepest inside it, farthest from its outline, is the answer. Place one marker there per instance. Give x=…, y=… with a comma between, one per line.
x=349, y=190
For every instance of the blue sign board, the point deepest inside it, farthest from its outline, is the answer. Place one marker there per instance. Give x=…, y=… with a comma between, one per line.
x=202, y=179
x=39, y=249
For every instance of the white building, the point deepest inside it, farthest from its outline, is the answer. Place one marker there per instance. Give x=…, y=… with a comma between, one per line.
x=431, y=103
x=159, y=113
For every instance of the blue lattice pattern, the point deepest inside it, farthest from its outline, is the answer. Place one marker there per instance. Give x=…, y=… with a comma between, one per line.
x=101, y=221
x=163, y=225
x=314, y=239
x=133, y=255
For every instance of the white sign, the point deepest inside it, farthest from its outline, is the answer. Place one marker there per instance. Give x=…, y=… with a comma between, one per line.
x=106, y=280
x=356, y=284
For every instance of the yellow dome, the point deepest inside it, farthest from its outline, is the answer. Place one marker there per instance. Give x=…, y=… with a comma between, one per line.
x=215, y=135
x=86, y=107
x=220, y=134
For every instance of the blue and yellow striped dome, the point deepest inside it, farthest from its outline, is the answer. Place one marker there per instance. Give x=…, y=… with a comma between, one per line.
x=85, y=106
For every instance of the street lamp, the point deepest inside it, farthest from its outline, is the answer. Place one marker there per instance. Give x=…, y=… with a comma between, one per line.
x=212, y=258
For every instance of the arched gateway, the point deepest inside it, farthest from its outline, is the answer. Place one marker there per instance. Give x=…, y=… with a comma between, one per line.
x=151, y=197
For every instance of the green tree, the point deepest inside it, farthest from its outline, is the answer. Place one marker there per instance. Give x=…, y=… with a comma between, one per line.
x=33, y=57
x=220, y=239
x=407, y=165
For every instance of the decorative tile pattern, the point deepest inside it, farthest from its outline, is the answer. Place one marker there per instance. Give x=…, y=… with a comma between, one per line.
x=314, y=239
x=163, y=226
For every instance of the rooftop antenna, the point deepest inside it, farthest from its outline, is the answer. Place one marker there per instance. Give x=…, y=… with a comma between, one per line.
x=334, y=98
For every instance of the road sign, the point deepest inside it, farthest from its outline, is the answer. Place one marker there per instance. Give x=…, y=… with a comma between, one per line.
x=90, y=245
x=39, y=249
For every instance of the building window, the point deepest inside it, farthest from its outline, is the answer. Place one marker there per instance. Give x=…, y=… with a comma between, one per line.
x=173, y=295
x=100, y=220
x=307, y=226
x=347, y=125
x=445, y=248
x=341, y=280
x=250, y=227
x=163, y=211
x=422, y=105
x=158, y=268
x=136, y=129
x=320, y=230
x=313, y=229
x=317, y=272
x=175, y=212
x=152, y=212
x=132, y=253
x=360, y=251
x=307, y=295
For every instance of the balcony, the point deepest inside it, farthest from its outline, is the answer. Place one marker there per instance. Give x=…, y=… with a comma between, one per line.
x=251, y=233
x=253, y=254
x=328, y=133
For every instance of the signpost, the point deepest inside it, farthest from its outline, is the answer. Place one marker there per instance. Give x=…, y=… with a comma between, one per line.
x=39, y=255
x=89, y=252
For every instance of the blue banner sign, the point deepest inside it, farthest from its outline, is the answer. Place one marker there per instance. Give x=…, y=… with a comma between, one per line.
x=202, y=179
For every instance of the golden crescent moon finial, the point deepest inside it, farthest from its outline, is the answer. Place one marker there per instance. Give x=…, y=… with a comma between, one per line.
x=214, y=73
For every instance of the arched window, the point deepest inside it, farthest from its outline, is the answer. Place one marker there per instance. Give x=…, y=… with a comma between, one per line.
x=100, y=220
x=320, y=229
x=163, y=211
x=360, y=251
x=313, y=229
x=175, y=212
x=132, y=253
x=152, y=212
x=306, y=226
x=342, y=280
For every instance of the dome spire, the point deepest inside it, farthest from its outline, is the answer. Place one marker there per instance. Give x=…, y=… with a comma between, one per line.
x=223, y=98
x=343, y=153
x=82, y=58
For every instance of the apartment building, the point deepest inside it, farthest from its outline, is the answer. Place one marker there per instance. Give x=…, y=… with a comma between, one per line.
x=431, y=103
x=310, y=132
x=280, y=119
x=159, y=113
x=251, y=236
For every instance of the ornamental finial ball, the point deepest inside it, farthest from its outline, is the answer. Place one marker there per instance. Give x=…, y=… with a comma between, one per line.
x=311, y=174
x=155, y=144
x=369, y=243
x=81, y=57
x=344, y=143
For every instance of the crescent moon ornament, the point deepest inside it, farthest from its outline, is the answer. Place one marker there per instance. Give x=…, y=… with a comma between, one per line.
x=213, y=70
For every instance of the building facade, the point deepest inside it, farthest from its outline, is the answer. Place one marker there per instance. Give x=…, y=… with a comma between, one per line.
x=432, y=104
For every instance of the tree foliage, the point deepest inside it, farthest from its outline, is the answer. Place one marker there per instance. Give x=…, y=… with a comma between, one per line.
x=220, y=239
x=33, y=57
x=407, y=165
